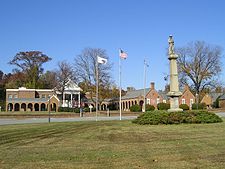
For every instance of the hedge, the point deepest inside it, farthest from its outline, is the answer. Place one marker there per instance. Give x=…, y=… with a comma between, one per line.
x=163, y=106
x=199, y=106
x=68, y=109
x=135, y=108
x=164, y=117
x=149, y=107
x=184, y=106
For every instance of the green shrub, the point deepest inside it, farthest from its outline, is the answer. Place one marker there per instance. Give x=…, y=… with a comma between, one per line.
x=87, y=109
x=135, y=108
x=216, y=103
x=164, y=117
x=153, y=118
x=112, y=106
x=2, y=104
x=163, y=106
x=68, y=109
x=199, y=106
x=149, y=107
x=184, y=106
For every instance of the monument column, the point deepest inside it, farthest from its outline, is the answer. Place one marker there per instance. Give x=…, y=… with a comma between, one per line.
x=174, y=92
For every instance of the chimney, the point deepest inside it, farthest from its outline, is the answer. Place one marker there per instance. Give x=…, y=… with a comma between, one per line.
x=152, y=86
x=186, y=87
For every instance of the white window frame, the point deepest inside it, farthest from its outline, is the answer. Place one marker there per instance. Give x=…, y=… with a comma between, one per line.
x=157, y=100
x=148, y=101
x=183, y=101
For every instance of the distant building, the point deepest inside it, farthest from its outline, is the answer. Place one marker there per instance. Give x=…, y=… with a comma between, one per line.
x=71, y=95
x=210, y=98
x=187, y=97
x=24, y=99
x=153, y=97
x=222, y=101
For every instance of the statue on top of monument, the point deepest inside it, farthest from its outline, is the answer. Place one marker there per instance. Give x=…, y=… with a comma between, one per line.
x=171, y=45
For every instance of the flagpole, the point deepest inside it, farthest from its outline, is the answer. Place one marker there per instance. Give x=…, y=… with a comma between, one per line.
x=144, y=108
x=120, y=87
x=96, y=115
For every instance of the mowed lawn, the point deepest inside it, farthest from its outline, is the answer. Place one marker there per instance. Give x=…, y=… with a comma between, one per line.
x=112, y=144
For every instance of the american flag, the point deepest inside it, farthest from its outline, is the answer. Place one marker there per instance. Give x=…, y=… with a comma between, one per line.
x=123, y=54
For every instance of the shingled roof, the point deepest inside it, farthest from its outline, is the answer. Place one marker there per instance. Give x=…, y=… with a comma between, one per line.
x=163, y=94
x=214, y=96
x=222, y=97
x=135, y=93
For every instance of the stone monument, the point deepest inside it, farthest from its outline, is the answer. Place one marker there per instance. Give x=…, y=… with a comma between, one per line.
x=174, y=92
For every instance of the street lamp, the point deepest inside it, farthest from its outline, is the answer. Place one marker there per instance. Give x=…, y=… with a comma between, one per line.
x=49, y=120
x=196, y=99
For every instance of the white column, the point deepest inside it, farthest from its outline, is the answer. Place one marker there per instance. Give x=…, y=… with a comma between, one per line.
x=71, y=97
x=63, y=100
x=79, y=99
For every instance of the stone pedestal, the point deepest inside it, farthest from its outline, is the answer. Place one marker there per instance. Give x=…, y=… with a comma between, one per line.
x=174, y=105
x=174, y=92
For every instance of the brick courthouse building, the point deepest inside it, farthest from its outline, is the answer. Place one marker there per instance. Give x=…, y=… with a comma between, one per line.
x=153, y=97
x=24, y=99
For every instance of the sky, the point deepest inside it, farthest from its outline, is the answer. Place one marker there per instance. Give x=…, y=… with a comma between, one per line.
x=61, y=29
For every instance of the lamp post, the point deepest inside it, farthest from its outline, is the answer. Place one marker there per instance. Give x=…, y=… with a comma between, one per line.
x=49, y=118
x=196, y=99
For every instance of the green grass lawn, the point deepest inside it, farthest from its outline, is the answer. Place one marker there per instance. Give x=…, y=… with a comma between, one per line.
x=112, y=144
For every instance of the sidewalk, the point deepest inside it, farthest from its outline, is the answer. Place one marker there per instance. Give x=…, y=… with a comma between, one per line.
x=7, y=121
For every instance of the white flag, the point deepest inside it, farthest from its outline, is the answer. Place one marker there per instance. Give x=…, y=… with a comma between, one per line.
x=101, y=60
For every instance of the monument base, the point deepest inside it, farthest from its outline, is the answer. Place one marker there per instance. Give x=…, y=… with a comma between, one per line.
x=174, y=104
x=175, y=110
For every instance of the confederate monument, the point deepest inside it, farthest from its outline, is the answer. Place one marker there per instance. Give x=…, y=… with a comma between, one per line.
x=174, y=92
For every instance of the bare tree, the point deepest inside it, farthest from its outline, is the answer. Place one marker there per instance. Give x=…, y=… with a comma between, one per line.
x=64, y=74
x=85, y=67
x=199, y=64
x=30, y=63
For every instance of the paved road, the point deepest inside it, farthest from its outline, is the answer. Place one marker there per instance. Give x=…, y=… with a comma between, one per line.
x=222, y=114
x=6, y=121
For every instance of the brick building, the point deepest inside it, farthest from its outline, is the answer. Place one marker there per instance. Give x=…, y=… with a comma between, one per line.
x=222, y=101
x=210, y=98
x=153, y=97
x=24, y=99
x=187, y=97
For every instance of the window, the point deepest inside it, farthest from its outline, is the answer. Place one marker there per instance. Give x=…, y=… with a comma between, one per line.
x=158, y=100
x=191, y=101
x=148, y=101
x=43, y=96
x=15, y=96
x=164, y=101
x=183, y=101
x=10, y=96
